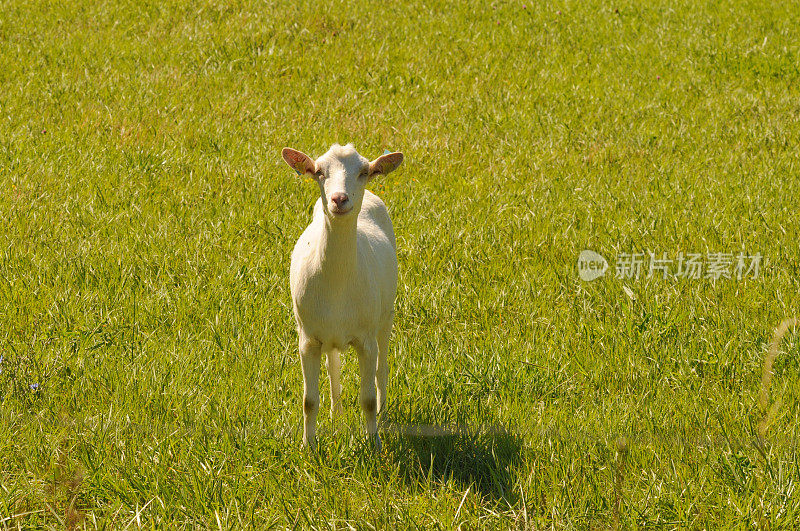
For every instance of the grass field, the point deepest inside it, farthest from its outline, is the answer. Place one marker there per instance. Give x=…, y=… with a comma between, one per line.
x=150, y=374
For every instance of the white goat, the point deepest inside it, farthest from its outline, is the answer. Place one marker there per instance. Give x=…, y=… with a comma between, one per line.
x=344, y=280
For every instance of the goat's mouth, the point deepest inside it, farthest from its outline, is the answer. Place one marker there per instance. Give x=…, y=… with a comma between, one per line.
x=336, y=211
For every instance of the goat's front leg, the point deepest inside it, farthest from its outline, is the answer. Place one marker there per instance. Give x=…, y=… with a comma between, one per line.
x=310, y=354
x=367, y=365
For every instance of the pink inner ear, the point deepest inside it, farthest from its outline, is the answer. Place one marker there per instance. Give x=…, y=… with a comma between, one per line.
x=297, y=161
x=389, y=162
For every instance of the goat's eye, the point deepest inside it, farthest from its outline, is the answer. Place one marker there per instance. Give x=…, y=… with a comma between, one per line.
x=319, y=174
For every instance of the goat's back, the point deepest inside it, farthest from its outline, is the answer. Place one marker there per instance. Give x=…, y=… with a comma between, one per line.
x=373, y=211
x=376, y=239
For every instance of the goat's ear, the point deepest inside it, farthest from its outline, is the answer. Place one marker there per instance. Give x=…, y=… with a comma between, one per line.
x=385, y=164
x=299, y=161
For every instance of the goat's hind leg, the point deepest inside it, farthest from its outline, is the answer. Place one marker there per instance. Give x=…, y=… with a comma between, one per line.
x=334, y=364
x=382, y=374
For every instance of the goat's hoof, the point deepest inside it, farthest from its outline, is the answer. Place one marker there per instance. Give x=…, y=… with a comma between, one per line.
x=377, y=440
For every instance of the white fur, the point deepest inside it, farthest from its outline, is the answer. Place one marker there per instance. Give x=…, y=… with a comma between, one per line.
x=343, y=282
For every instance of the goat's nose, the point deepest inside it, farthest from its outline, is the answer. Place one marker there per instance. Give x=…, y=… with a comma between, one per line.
x=339, y=199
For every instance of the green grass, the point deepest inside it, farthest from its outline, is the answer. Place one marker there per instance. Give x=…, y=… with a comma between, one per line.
x=147, y=222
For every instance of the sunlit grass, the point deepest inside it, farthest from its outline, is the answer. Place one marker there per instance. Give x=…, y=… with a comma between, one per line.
x=147, y=222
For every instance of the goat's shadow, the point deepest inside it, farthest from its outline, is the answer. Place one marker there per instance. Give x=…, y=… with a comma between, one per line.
x=484, y=457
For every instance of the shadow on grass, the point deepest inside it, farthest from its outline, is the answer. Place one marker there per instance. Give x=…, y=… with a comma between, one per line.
x=484, y=457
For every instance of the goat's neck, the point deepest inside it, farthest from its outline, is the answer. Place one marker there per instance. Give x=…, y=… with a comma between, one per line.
x=337, y=248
